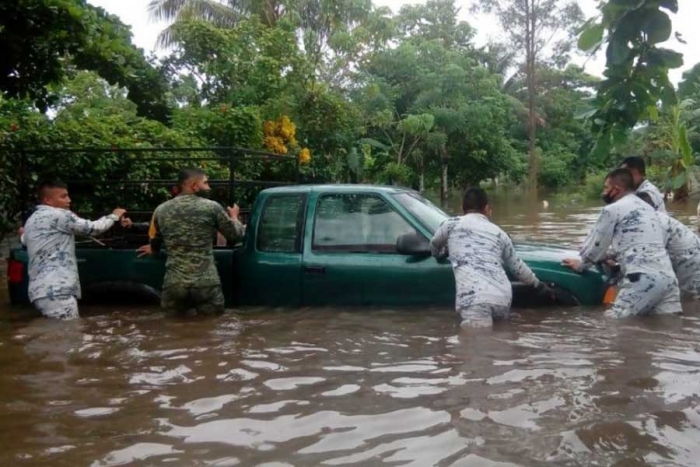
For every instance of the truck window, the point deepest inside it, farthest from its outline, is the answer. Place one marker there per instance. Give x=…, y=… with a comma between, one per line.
x=357, y=223
x=281, y=222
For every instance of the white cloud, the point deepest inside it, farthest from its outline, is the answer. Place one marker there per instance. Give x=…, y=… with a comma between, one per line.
x=135, y=14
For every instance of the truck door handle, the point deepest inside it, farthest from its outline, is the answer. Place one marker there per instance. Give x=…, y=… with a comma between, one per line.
x=314, y=269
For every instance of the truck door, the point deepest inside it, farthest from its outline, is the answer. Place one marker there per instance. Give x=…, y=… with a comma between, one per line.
x=268, y=272
x=350, y=256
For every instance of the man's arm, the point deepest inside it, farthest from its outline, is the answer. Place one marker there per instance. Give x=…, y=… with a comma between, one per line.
x=438, y=244
x=516, y=266
x=228, y=224
x=71, y=223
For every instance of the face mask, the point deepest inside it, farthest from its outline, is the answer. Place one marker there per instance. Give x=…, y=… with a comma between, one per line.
x=609, y=198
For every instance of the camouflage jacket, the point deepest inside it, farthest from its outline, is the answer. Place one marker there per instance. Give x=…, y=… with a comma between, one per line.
x=481, y=254
x=630, y=231
x=656, y=197
x=187, y=225
x=50, y=239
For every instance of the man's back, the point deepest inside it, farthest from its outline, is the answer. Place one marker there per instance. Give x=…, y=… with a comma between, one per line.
x=656, y=197
x=480, y=253
x=51, y=249
x=187, y=224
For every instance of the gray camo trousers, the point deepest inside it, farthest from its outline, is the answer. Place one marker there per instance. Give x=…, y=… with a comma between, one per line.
x=643, y=294
x=62, y=307
x=482, y=315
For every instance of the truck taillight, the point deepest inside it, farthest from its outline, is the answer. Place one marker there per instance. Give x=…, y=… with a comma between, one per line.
x=15, y=271
x=610, y=295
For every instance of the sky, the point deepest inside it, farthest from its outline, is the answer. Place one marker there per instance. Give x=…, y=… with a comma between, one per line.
x=135, y=14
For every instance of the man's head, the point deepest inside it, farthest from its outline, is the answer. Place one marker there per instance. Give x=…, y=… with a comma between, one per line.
x=637, y=168
x=193, y=181
x=475, y=200
x=54, y=193
x=618, y=183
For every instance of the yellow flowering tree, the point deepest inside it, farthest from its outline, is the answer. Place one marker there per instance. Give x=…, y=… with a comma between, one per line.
x=280, y=138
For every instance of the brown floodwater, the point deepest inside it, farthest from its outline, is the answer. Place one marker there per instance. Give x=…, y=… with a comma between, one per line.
x=127, y=386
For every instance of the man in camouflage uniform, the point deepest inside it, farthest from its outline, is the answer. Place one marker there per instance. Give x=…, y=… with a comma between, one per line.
x=638, y=169
x=187, y=225
x=481, y=254
x=629, y=230
x=683, y=248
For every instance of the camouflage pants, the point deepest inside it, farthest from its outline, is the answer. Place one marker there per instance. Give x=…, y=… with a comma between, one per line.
x=480, y=315
x=62, y=307
x=645, y=294
x=193, y=300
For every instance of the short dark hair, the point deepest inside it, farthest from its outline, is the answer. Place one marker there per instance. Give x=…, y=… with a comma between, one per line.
x=474, y=199
x=49, y=184
x=646, y=197
x=622, y=178
x=188, y=174
x=636, y=163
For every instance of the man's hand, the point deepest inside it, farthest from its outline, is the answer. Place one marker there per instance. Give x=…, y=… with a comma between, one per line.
x=119, y=212
x=544, y=289
x=572, y=263
x=233, y=212
x=145, y=250
x=127, y=223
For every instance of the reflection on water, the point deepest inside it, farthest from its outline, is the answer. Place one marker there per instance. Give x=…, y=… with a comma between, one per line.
x=335, y=387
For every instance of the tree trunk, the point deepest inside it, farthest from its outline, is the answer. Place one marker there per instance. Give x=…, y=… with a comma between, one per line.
x=531, y=47
x=421, y=180
x=443, y=184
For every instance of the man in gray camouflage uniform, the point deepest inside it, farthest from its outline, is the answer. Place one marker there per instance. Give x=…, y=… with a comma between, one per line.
x=634, y=234
x=187, y=225
x=683, y=248
x=638, y=169
x=49, y=234
x=480, y=253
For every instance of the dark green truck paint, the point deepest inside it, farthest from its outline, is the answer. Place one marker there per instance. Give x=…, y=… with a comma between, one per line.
x=289, y=256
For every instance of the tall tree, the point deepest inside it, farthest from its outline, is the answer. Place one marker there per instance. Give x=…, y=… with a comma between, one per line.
x=533, y=27
x=41, y=39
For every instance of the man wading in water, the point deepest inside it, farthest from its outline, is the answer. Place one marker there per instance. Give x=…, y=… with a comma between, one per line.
x=187, y=225
x=480, y=253
x=633, y=232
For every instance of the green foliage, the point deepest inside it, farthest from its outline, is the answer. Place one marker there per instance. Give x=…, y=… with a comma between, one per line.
x=42, y=39
x=636, y=75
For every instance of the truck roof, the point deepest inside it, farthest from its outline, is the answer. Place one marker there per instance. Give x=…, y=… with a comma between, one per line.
x=358, y=188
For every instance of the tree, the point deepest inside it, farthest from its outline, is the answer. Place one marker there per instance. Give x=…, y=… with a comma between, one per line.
x=531, y=25
x=42, y=39
x=636, y=75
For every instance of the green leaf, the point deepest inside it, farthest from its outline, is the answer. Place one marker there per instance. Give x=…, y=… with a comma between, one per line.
x=653, y=113
x=657, y=27
x=591, y=37
x=679, y=180
x=617, y=52
x=684, y=146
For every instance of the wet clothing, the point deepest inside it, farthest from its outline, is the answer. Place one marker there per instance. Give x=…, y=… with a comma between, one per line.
x=203, y=300
x=482, y=315
x=683, y=248
x=187, y=225
x=480, y=253
x=636, y=237
x=49, y=235
x=59, y=307
x=656, y=197
x=642, y=294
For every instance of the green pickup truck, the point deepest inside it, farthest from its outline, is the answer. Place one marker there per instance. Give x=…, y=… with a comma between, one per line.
x=325, y=245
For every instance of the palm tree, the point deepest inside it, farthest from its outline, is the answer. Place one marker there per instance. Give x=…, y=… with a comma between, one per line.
x=222, y=13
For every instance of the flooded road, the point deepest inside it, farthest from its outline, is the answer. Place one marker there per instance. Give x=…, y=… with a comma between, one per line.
x=127, y=386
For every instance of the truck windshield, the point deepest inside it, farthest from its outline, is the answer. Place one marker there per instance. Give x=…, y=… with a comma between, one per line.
x=425, y=211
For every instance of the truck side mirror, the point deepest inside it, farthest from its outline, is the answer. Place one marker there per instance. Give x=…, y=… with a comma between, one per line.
x=413, y=244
